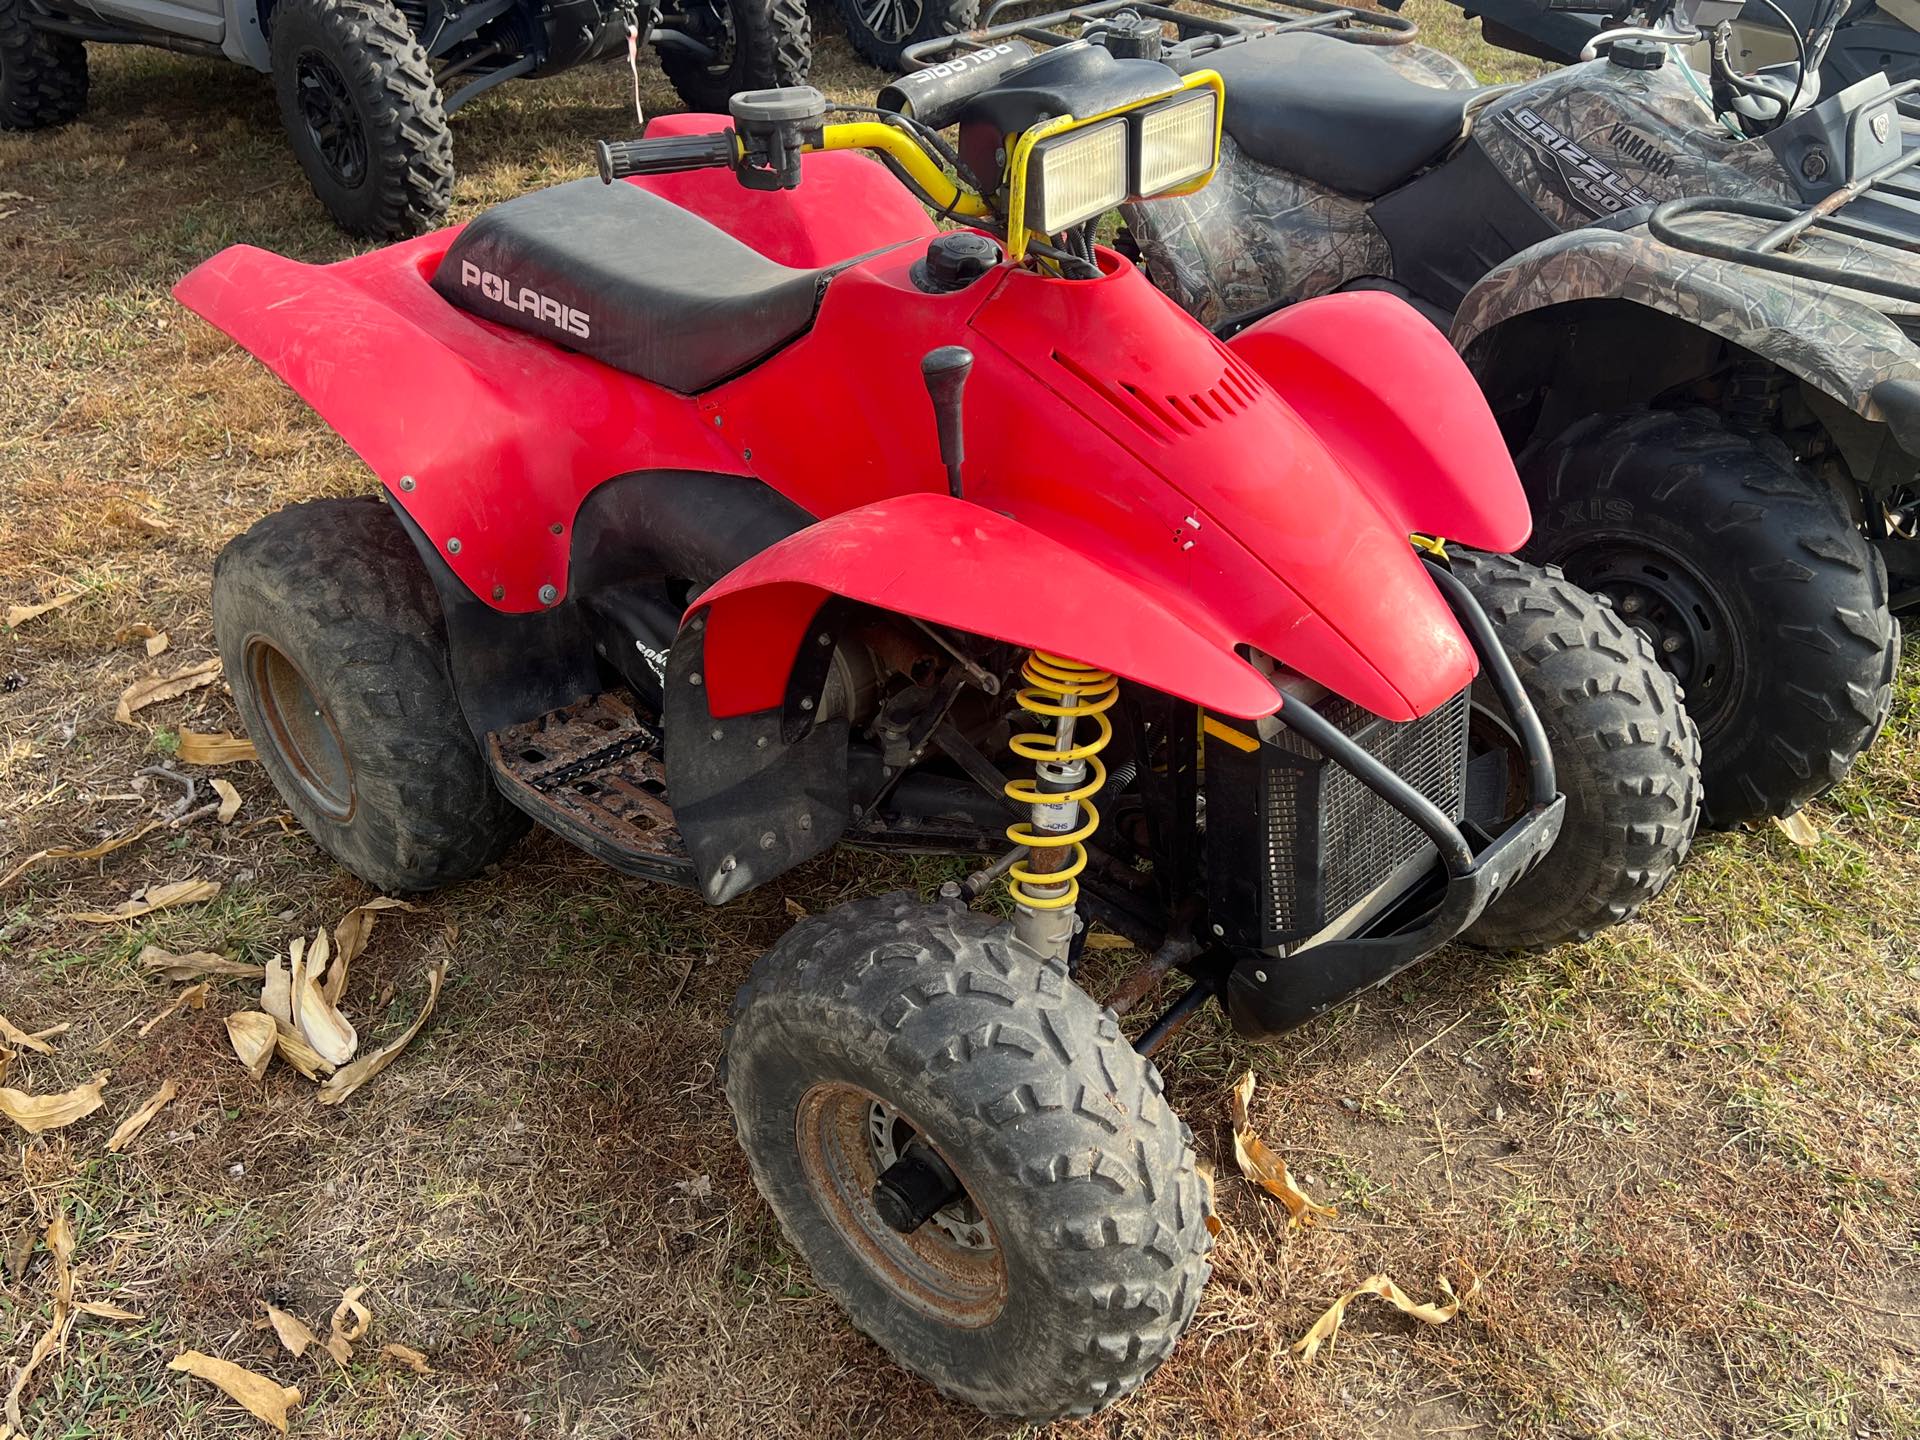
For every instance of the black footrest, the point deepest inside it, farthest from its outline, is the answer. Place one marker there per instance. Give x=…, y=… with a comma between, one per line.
x=591, y=772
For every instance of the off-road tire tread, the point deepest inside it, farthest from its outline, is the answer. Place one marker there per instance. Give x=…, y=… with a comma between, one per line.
x=1626, y=755
x=937, y=18
x=773, y=46
x=1826, y=663
x=409, y=146
x=1064, y=1117
x=43, y=77
x=338, y=587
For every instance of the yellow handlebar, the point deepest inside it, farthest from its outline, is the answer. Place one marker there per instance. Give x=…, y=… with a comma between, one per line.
x=900, y=147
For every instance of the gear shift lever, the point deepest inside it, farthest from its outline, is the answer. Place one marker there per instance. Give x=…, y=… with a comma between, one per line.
x=945, y=370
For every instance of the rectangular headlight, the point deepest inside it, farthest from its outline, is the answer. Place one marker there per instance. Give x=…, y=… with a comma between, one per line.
x=1174, y=144
x=1076, y=177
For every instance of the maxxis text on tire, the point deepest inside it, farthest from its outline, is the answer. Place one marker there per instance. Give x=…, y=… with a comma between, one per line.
x=43, y=78
x=1794, y=599
x=328, y=601
x=1626, y=755
x=383, y=164
x=770, y=44
x=1052, y=1121
x=911, y=20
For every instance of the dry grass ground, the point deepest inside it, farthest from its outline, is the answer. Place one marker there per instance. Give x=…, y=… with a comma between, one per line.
x=1682, y=1158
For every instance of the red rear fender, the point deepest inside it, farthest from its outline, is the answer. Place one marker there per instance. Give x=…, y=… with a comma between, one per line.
x=955, y=563
x=486, y=438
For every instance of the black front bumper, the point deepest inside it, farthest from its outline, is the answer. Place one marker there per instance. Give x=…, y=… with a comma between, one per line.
x=1268, y=994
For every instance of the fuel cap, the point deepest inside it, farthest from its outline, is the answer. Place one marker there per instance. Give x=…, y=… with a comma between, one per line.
x=955, y=260
x=1637, y=54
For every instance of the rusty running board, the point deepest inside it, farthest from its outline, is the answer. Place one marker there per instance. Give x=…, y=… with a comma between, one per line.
x=591, y=772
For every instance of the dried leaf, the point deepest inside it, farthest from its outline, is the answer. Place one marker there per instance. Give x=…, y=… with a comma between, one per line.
x=1799, y=829
x=264, y=1399
x=1328, y=1325
x=105, y=1310
x=350, y=938
x=369, y=1065
x=130, y=1128
x=407, y=1356
x=276, y=994
x=38, y=1113
x=252, y=1036
x=139, y=630
x=59, y=1238
x=294, y=1049
x=194, y=997
x=6, y=1061
x=18, y=615
x=796, y=909
x=91, y=852
x=196, y=962
x=291, y=1329
x=1266, y=1169
x=221, y=749
x=229, y=801
x=156, y=688
x=351, y=1319
x=37, y=1041
x=319, y=1023
x=1214, y=1223
x=1101, y=940
x=20, y=1251
x=158, y=897
x=156, y=644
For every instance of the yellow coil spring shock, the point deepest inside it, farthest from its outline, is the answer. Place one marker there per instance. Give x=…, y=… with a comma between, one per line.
x=1068, y=692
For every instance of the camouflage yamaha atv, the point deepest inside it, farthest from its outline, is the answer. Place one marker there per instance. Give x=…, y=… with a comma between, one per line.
x=1715, y=403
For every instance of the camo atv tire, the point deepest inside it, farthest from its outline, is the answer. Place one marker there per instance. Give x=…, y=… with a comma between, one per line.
x=1074, y=1254
x=43, y=77
x=1749, y=576
x=331, y=635
x=1626, y=755
x=363, y=114
x=755, y=45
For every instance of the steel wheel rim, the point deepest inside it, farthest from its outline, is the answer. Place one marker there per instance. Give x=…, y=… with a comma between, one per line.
x=300, y=729
x=843, y=1133
x=890, y=21
x=714, y=20
x=332, y=119
x=1679, y=613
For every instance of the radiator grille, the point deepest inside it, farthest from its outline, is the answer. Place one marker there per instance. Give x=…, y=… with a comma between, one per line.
x=1331, y=840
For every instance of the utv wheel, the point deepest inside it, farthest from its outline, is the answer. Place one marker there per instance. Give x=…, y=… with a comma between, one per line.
x=1750, y=579
x=43, y=77
x=1067, y=1263
x=1625, y=754
x=880, y=30
x=330, y=634
x=755, y=45
x=363, y=113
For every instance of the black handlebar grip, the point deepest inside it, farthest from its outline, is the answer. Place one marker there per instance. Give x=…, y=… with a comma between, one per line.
x=621, y=158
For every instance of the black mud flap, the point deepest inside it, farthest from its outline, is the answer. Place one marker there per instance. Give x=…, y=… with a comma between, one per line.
x=751, y=803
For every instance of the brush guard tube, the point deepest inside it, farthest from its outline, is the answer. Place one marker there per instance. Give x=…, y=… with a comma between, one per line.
x=1267, y=995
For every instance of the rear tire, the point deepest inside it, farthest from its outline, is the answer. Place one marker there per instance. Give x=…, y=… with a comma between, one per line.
x=363, y=114
x=43, y=77
x=1750, y=577
x=758, y=45
x=881, y=30
x=1625, y=755
x=1077, y=1176
x=331, y=636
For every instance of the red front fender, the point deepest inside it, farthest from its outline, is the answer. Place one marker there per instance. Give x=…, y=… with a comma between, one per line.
x=951, y=562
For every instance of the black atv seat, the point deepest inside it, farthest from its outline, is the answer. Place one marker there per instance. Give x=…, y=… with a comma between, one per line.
x=1331, y=112
x=632, y=280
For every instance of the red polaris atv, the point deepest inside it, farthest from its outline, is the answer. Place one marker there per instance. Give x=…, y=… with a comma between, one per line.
x=732, y=515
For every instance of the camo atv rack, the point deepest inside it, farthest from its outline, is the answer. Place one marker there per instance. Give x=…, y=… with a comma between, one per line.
x=1699, y=224
x=1197, y=29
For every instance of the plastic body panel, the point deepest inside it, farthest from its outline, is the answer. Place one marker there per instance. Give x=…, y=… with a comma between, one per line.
x=1155, y=465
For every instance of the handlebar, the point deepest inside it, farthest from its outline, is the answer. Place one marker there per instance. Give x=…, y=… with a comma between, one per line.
x=1591, y=50
x=715, y=150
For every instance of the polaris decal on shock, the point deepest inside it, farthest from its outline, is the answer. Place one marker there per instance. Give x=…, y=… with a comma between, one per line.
x=1593, y=185
x=528, y=301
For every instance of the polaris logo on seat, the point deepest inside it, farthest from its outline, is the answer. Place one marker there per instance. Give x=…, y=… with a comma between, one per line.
x=526, y=301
